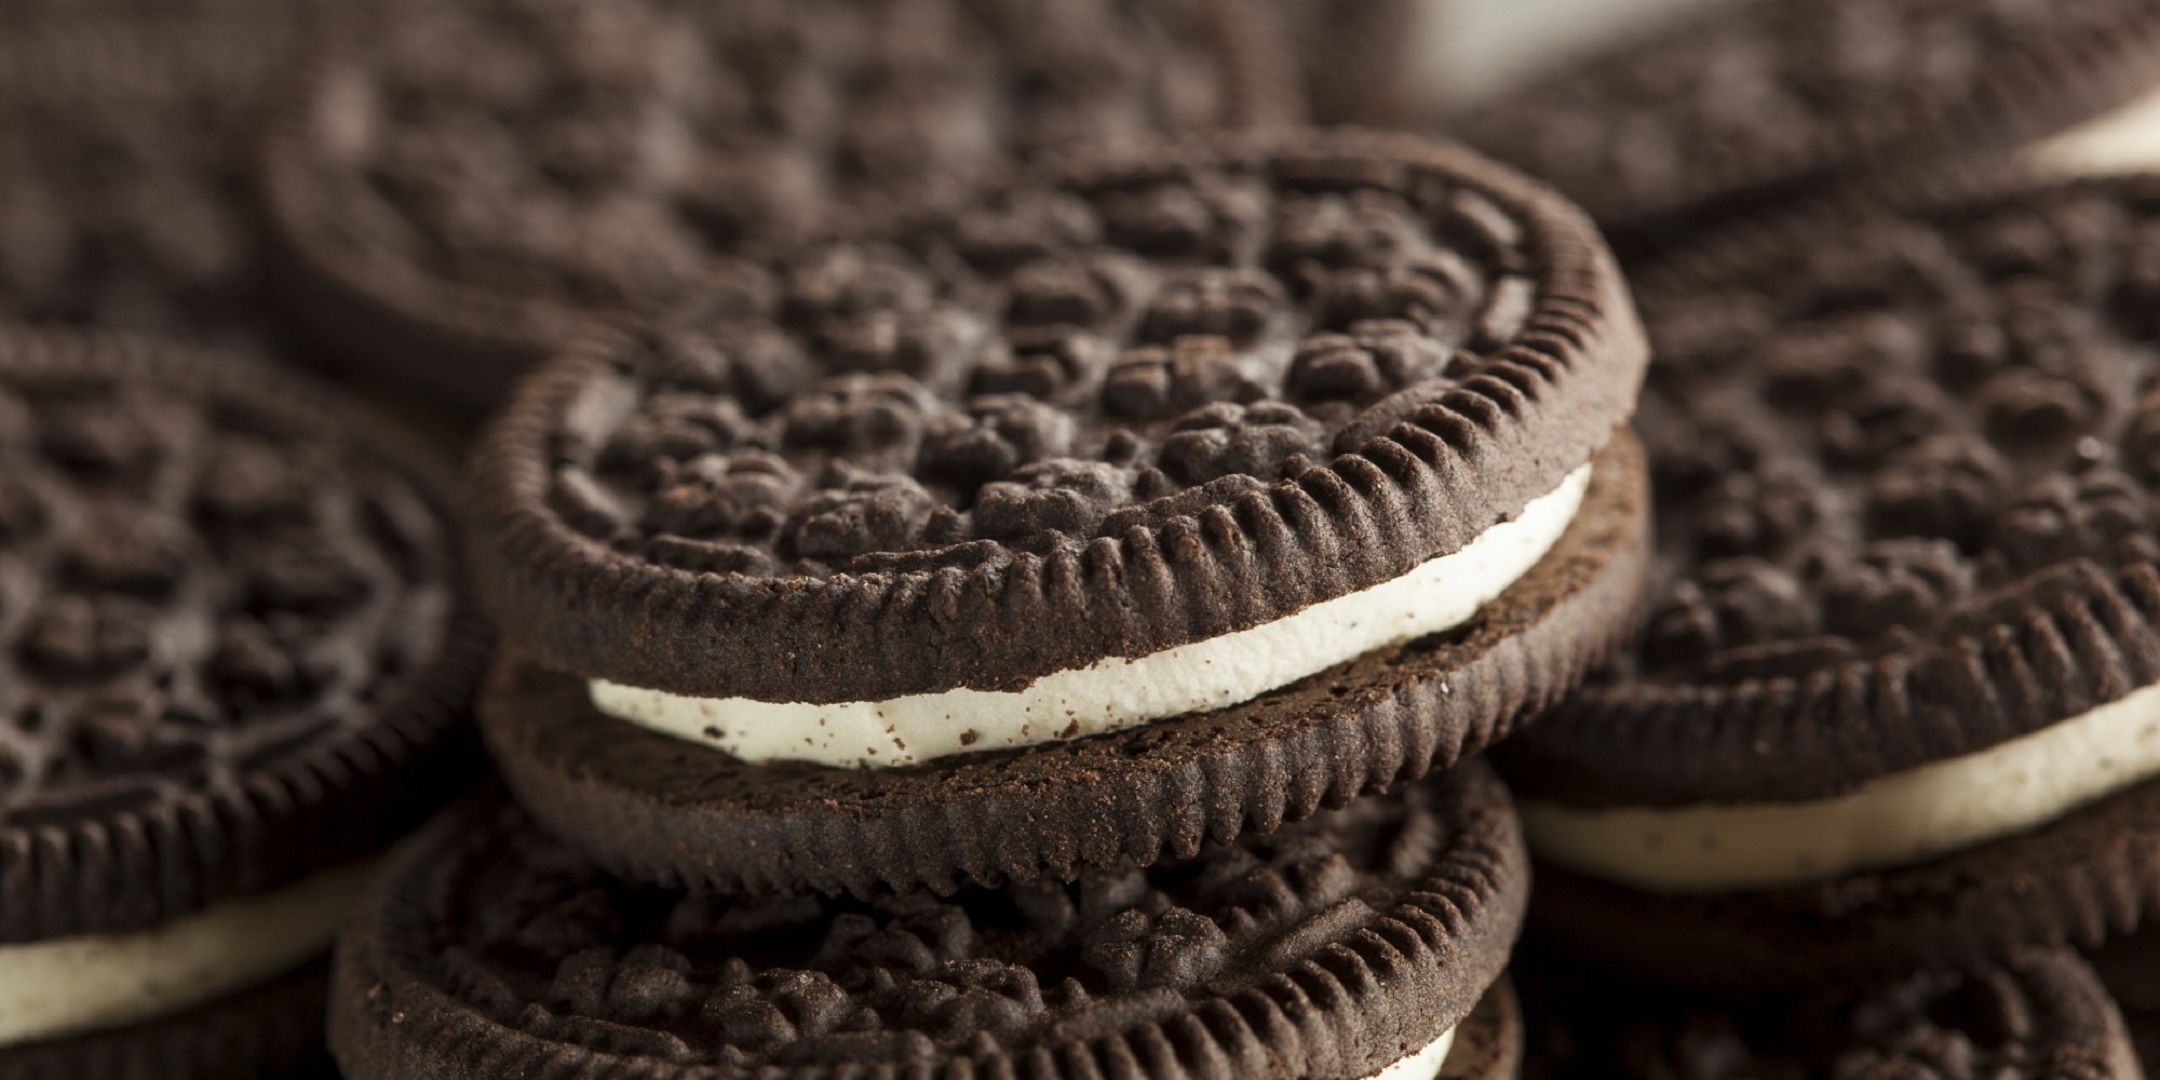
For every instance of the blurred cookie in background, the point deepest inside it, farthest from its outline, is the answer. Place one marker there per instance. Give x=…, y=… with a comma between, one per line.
x=1898, y=702
x=2034, y=1014
x=1747, y=105
x=457, y=194
x=124, y=175
x=1406, y=62
x=238, y=662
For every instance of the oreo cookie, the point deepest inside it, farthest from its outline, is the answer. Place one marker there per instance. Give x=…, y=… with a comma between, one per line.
x=461, y=191
x=1746, y=105
x=1898, y=704
x=1355, y=944
x=2034, y=1014
x=238, y=662
x=1287, y=466
x=124, y=150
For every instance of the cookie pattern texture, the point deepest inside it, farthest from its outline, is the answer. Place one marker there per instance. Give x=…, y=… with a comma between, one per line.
x=1763, y=100
x=1332, y=948
x=596, y=154
x=1905, y=468
x=2038, y=1013
x=1323, y=362
x=124, y=199
x=223, y=609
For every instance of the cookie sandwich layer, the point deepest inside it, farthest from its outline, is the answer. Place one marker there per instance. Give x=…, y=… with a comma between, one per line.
x=1903, y=674
x=1115, y=694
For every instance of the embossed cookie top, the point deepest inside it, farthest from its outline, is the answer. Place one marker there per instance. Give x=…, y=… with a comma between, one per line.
x=213, y=593
x=1905, y=465
x=595, y=154
x=1777, y=96
x=1218, y=956
x=2037, y=1014
x=1155, y=398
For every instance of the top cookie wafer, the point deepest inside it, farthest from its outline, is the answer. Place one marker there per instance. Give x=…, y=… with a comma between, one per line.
x=1759, y=101
x=1158, y=398
x=483, y=173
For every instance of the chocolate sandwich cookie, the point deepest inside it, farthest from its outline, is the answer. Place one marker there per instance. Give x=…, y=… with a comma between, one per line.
x=1287, y=466
x=1899, y=701
x=1355, y=944
x=124, y=151
x=1747, y=104
x=235, y=660
x=459, y=193
x=2040, y=1015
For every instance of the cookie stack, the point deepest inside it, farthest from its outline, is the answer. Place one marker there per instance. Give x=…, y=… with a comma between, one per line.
x=1013, y=558
x=1019, y=640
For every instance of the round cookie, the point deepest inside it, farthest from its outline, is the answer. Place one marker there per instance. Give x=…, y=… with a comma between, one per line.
x=238, y=661
x=457, y=194
x=1897, y=702
x=1289, y=467
x=1746, y=105
x=2035, y=1014
x=1331, y=949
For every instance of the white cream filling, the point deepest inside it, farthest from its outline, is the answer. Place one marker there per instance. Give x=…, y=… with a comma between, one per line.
x=71, y=985
x=1900, y=818
x=2125, y=140
x=1466, y=51
x=1117, y=693
x=1423, y=1065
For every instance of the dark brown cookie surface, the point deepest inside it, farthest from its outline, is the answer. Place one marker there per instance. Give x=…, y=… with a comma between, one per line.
x=1161, y=396
x=124, y=152
x=484, y=172
x=2037, y=1014
x=651, y=806
x=1329, y=950
x=232, y=626
x=1905, y=465
x=1756, y=102
x=2130, y=967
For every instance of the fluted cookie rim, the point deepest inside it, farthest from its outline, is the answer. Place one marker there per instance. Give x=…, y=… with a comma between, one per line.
x=376, y=314
x=2087, y=634
x=1162, y=790
x=309, y=812
x=1542, y=405
x=2037, y=95
x=1440, y=947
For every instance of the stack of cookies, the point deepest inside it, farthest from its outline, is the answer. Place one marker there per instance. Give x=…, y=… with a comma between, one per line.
x=1033, y=638
x=996, y=552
